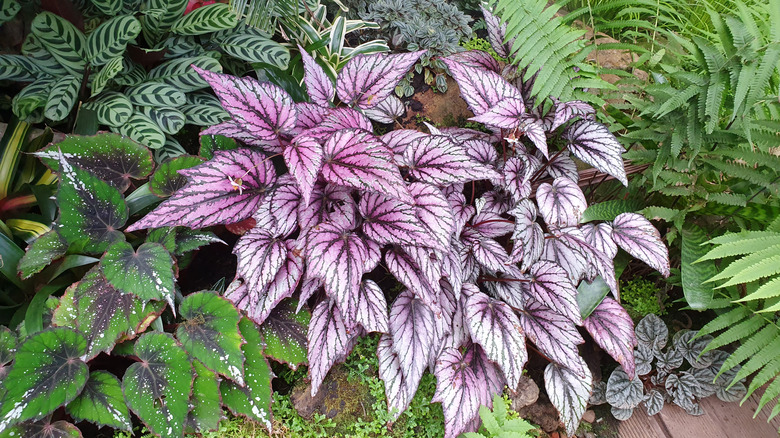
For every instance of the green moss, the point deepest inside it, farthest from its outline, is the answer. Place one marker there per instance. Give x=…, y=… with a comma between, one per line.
x=482, y=44
x=641, y=297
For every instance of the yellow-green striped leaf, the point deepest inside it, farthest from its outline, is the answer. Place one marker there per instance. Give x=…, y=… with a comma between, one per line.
x=108, y=72
x=112, y=109
x=155, y=94
x=62, y=97
x=209, y=18
x=62, y=40
x=255, y=48
x=143, y=130
x=110, y=39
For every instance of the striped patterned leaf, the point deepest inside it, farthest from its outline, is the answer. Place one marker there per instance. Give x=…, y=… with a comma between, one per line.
x=329, y=342
x=204, y=115
x=155, y=94
x=112, y=109
x=389, y=221
x=170, y=120
x=437, y=160
x=552, y=333
x=481, y=89
x=568, y=392
x=304, y=159
x=562, y=203
x=108, y=7
x=612, y=328
x=337, y=257
x=592, y=143
x=179, y=74
x=110, y=39
x=638, y=237
x=62, y=40
x=33, y=48
x=159, y=16
x=458, y=391
x=209, y=18
x=318, y=84
x=108, y=72
x=413, y=329
x=8, y=10
x=143, y=130
x=397, y=386
x=31, y=98
x=62, y=98
x=256, y=48
x=131, y=74
x=367, y=80
x=18, y=68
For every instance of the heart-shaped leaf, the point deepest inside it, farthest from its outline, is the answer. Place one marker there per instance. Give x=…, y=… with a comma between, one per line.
x=622, y=391
x=304, y=159
x=318, y=84
x=101, y=402
x=457, y=390
x=636, y=235
x=569, y=393
x=561, y=203
x=337, y=257
x=652, y=332
x=146, y=272
x=550, y=284
x=506, y=114
x=166, y=180
x=437, y=160
x=386, y=111
x=612, y=328
x=284, y=333
x=592, y=143
x=367, y=80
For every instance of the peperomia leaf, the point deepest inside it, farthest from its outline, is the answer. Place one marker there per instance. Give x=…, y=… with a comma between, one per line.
x=102, y=313
x=367, y=80
x=157, y=388
x=284, y=332
x=624, y=392
x=481, y=89
x=48, y=372
x=554, y=334
x=621, y=414
x=495, y=327
x=397, y=386
x=691, y=347
x=561, y=203
x=652, y=332
x=209, y=332
x=550, y=284
x=367, y=307
x=101, y=402
x=389, y=221
x=206, y=404
x=636, y=235
x=612, y=328
x=226, y=189
x=166, y=180
x=337, y=257
x=329, y=342
x=568, y=392
x=457, y=390
x=146, y=272
x=412, y=327
x=48, y=247
x=304, y=159
x=654, y=402
x=318, y=84
x=592, y=143
x=643, y=359
x=682, y=387
x=437, y=160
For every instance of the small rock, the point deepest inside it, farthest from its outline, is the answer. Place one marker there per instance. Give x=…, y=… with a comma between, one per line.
x=337, y=398
x=542, y=413
x=589, y=416
x=526, y=393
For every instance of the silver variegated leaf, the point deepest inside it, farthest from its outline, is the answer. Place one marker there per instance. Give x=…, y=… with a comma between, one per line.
x=457, y=390
x=561, y=203
x=592, y=143
x=386, y=111
x=652, y=332
x=550, y=284
x=654, y=402
x=612, y=328
x=691, y=349
x=408, y=272
x=329, y=342
x=367, y=307
x=337, y=257
x=568, y=392
x=390, y=221
x=636, y=235
x=555, y=335
x=622, y=391
x=412, y=327
x=398, y=388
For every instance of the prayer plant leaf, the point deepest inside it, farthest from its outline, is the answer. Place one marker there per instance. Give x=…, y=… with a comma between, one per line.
x=550, y=284
x=103, y=314
x=561, y=203
x=412, y=327
x=304, y=159
x=209, y=333
x=166, y=180
x=437, y=160
x=358, y=159
x=101, y=402
x=612, y=328
x=157, y=388
x=47, y=372
x=638, y=237
x=146, y=272
x=481, y=89
x=284, y=332
x=367, y=80
x=592, y=143
x=555, y=335
x=318, y=84
x=458, y=391
x=398, y=388
x=337, y=257
x=389, y=221
x=329, y=342
x=223, y=190
x=568, y=392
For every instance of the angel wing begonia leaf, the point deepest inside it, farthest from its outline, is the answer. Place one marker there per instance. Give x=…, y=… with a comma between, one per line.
x=481, y=89
x=506, y=114
x=555, y=335
x=304, y=159
x=569, y=393
x=412, y=327
x=476, y=59
x=398, y=388
x=551, y=284
x=561, y=203
x=495, y=327
x=592, y=143
x=386, y=111
x=636, y=235
x=406, y=270
x=457, y=390
x=336, y=256
x=565, y=111
x=434, y=212
x=561, y=165
x=612, y=328
x=329, y=203
x=260, y=256
x=328, y=342
x=389, y=221
x=337, y=119
x=318, y=84
x=437, y=160
x=226, y=189
x=357, y=159
x=366, y=80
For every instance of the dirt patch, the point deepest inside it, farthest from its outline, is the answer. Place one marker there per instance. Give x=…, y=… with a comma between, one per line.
x=440, y=109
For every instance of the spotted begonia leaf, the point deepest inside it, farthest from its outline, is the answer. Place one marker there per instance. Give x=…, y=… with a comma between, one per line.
x=636, y=235
x=481, y=89
x=495, y=327
x=210, y=334
x=367, y=307
x=329, y=341
x=592, y=143
x=437, y=160
x=46, y=374
x=458, y=391
x=260, y=109
x=434, y=212
x=146, y=272
x=407, y=271
x=366, y=80
x=318, y=84
x=357, y=159
x=328, y=203
x=304, y=159
x=398, y=389
x=44, y=429
x=284, y=333
x=612, y=328
x=561, y=203
x=45, y=249
x=103, y=314
x=550, y=284
x=506, y=114
x=337, y=257
x=477, y=59
x=157, y=388
x=554, y=334
x=206, y=411
x=565, y=111
x=389, y=221
x=412, y=327
x=226, y=189
x=386, y=111
x=101, y=402
x=166, y=180
x=569, y=393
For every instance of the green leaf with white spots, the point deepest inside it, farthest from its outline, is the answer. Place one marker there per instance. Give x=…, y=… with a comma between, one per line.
x=284, y=333
x=157, y=389
x=251, y=47
x=7, y=345
x=143, y=130
x=206, y=404
x=91, y=211
x=166, y=180
x=155, y=94
x=189, y=240
x=146, y=272
x=209, y=18
x=210, y=334
x=48, y=247
x=111, y=157
x=47, y=373
x=204, y=115
x=165, y=236
x=112, y=108
x=101, y=402
x=179, y=74
x=102, y=313
x=62, y=40
x=111, y=38
x=104, y=75
x=170, y=120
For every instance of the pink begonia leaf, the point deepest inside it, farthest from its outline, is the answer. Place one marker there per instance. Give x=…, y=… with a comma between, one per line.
x=459, y=332
x=366, y=80
x=481, y=89
x=597, y=262
x=569, y=393
x=636, y=235
x=612, y=328
x=226, y=189
x=562, y=166
x=566, y=253
x=562, y=203
x=528, y=236
x=398, y=140
x=551, y=285
x=535, y=132
x=488, y=253
x=386, y=111
x=458, y=391
x=435, y=213
x=495, y=327
x=552, y=333
x=328, y=203
x=507, y=284
x=357, y=159
x=389, y=221
x=310, y=115
x=461, y=210
x=318, y=84
x=460, y=135
x=412, y=327
x=398, y=388
x=304, y=159
x=518, y=171
x=600, y=237
x=260, y=255
x=452, y=267
x=565, y=111
x=437, y=160
x=592, y=143
x=476, y=59
x=309, y=286
x=367, y=307
x=336, y=120
x=328, y=342
x=492, y=225
x=506, y=114
x=496, y=31
x=279, y=209
x=337, y=257
x=406, y=270
x=497, y=201
x=262, y=109
x=429, y=263
x=488, y=374
x=481, y=151
x=374, y=255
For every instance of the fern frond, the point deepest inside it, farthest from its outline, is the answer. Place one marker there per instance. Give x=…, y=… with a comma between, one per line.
x=727, y=319
x=763, y=358
x=770, y=289
x=737, y=332
x=757, y=265
x=754, y=347
x=735, y=244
